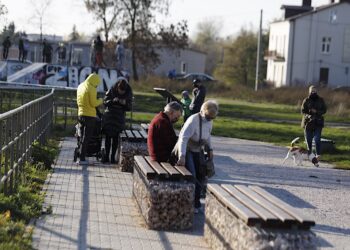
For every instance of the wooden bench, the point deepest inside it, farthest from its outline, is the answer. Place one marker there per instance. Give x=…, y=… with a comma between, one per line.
x=133, y=142
x=145, y=126
x=160, y=189
x=255, y=210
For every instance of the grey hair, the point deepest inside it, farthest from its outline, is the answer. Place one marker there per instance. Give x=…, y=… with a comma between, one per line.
x=173, y=106
x=210, y=107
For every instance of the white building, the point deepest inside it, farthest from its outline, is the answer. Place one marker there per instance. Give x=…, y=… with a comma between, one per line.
x=311, y=45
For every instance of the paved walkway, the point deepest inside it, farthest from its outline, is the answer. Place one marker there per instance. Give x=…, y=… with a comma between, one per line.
x=92, y=208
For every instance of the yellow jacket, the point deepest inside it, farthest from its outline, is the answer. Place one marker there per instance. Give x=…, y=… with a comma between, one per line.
x=87, y=96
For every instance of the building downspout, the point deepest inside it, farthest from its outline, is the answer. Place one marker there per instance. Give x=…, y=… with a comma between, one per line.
x=292, y=55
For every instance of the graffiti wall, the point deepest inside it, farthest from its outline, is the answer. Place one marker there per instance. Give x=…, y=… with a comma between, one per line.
x=69, y=76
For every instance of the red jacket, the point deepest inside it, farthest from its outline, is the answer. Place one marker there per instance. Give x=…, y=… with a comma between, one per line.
x=161, y=138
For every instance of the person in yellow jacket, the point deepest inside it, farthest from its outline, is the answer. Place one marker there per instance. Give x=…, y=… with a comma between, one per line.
x=87, y=102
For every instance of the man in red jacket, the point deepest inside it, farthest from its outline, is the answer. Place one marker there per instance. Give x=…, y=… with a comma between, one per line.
x=161, y=134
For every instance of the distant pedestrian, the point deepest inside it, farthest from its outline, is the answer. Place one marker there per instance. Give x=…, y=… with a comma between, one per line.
x=47, y=52
x=120, y=54
x=198, y=93
x=92, y=53
x=61, y=53
x=20, y=49
x=25, y=49
x=98, y=48
x=313, y=109
x=186, y=102
x=6, y=44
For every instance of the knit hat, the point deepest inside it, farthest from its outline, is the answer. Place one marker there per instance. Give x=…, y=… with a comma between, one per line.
x=185, y=93
x=312, y=88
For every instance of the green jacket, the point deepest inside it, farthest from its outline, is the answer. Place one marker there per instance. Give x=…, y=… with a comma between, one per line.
x=186, y=107
x=87, y=96
x=308, y=116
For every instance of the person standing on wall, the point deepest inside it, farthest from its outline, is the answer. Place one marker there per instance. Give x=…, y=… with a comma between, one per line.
x=20, y=49
x=198, y=94
x=87, y=102
x=313, y=108
x=117, y=101
x=120, y=54
x=98, y=48
x=6, y=44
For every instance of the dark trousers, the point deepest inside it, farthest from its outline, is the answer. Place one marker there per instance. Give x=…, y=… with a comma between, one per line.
x=316, y=135
x=193, y=165
x=87, y=130
x=5, y=53
x=115, y=142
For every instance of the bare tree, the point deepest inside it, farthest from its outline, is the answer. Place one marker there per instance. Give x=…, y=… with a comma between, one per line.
x=40, y=8
x=104, y=11
x=137, y=19
x=208, y=39
x=3, y=9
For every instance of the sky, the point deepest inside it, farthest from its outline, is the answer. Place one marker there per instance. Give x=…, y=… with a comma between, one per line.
x=231, y=15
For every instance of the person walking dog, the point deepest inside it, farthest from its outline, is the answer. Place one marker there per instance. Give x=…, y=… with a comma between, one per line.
x=313, y=108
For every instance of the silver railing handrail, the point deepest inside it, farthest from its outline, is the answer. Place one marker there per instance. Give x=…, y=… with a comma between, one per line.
x=19, y=129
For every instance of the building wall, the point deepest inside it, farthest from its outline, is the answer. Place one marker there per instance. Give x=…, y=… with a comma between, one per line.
x=305, y=56
x=279, y=44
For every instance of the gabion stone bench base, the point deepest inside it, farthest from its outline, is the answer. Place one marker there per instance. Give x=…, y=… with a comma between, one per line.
x=225, y=230
x=128, y=151
x=165, y=203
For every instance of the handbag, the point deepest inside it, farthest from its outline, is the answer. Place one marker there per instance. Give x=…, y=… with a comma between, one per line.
x=207, y=167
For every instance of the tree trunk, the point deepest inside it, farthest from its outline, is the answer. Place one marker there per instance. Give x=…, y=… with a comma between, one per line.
x=133, y=48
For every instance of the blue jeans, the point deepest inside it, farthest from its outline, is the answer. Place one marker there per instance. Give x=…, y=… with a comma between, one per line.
x=316, y=135
x=192, y=164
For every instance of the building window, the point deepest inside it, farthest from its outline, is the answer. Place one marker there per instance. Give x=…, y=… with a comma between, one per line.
x=333, y=17
x=183, y=68
x=326, y=45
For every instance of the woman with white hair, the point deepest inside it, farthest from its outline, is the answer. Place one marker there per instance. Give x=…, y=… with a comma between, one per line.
x=195, y=134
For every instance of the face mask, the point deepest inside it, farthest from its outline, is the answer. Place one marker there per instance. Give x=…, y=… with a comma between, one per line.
x=313, y=95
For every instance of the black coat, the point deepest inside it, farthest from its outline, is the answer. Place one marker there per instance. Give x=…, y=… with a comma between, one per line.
x=198, y=99
x=313, y=119
x=113, y=121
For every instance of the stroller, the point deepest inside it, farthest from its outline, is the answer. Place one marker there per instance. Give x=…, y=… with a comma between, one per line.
x=95, y=143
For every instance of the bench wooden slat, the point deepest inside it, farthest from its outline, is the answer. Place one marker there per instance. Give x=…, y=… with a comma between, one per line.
x=143, y=134
x=122, y=134
x=137, y=134
x=145, y=126
x=281, y=214
x=258, y=209
x=182, y=170
x=157, y=167
x=129, y=134
x=286, y=207
x=146, y=169
x=247, y=215
x=170, y=169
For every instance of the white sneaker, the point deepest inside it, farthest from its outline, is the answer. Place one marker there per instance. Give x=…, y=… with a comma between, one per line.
x=83, y=163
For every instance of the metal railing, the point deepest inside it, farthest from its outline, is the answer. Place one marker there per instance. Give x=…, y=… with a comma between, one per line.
x=19, y=129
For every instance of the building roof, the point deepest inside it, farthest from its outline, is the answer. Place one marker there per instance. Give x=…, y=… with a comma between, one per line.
x=313, y=11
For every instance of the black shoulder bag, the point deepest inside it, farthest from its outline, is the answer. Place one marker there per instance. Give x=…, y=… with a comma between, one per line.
x=207, y=167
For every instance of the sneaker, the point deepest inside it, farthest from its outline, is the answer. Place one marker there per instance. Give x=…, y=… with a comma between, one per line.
x=318, y=157
x=83, y=163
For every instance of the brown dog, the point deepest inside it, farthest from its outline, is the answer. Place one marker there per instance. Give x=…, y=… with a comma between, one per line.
x=299, y=154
